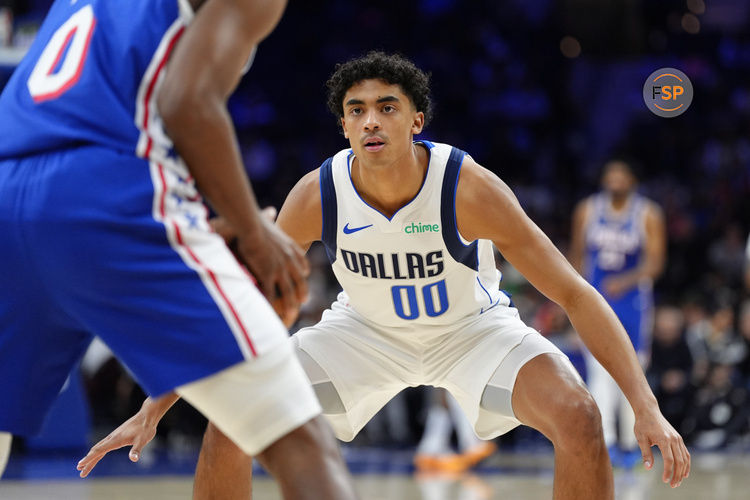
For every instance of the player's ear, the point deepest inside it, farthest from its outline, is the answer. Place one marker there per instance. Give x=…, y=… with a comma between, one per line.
x=418, y=123
x=343, y=127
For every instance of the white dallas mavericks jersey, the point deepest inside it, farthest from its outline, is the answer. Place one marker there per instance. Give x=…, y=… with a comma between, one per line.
x=413, y=268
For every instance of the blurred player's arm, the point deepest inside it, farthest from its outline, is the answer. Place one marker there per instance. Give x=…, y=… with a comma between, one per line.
x=654, y=254
x=486, y=208
x=136, y=432
x=203, y=71
x=578, y=235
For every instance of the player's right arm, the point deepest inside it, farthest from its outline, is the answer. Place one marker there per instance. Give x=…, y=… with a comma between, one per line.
x=301, y=216
x=203, y=71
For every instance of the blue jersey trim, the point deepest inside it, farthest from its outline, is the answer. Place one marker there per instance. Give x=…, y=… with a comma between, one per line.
x=429, y=160
x=465, y=254
x=492, y=303
x=329, y=208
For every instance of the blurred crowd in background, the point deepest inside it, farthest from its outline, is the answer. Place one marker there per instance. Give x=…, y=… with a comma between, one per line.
x=541, y=92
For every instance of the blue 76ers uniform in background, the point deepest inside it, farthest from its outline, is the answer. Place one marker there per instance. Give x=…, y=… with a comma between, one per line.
x=103, y=231
x=614, y=245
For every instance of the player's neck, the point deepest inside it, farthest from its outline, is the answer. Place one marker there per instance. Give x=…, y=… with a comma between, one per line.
x=388, y=187
x=619, y=203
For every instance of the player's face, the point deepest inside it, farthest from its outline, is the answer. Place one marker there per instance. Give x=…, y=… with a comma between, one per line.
x=618, y=180
x=379, y=121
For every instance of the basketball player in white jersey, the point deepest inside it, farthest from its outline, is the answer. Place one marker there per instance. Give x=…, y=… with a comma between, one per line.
x=619, y=245
x=409, y=228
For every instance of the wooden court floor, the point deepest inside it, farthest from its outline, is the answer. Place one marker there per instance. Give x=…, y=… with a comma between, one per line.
x=714, y=477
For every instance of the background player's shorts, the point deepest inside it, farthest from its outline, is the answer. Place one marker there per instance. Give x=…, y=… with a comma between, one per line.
x=368, y=364
x=635, y=312
x=96, y=242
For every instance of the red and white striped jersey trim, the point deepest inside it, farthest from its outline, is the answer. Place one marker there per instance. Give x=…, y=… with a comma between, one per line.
x=205, y=253
x=153, y=142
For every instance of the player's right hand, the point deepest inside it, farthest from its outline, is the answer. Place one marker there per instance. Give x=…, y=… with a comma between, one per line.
x=278, y=264
x=137, y=431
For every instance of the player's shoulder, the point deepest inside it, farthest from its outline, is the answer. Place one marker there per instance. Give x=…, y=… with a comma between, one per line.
x=651, y=208
x=584, y=207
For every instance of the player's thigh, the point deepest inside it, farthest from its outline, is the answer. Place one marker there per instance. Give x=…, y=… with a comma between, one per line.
x=550, y=396
x=256, y=402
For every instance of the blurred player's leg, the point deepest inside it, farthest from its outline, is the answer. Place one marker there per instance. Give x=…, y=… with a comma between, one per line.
x=472, y=450
x=224, y=470
x=5, y=441
x=607, y=395
x=630, y=453
x=435, y=442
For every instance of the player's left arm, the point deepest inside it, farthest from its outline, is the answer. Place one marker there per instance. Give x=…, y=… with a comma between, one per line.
x=653, y=256
x=486, y=208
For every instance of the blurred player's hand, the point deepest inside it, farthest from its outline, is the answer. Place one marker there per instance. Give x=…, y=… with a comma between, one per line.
x=275, y=260
x=652, y=429
x=137, y=431
x=616, y=286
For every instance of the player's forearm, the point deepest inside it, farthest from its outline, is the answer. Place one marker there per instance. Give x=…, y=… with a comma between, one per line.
x=153, y=409
x=203, y=135
x=202, y=73
x=607, y=340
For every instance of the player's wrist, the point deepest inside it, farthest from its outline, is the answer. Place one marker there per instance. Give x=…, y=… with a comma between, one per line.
x=645, y=405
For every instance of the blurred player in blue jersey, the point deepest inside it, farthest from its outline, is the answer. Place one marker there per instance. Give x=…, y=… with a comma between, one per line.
x=110, y=126
x=409, y=228
x=619, y=245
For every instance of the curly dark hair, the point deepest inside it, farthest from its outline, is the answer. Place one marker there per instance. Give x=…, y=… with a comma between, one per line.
x=393, y=69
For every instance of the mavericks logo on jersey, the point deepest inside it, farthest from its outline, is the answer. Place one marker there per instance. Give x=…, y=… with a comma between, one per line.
x=419, y=227
x=399, y=266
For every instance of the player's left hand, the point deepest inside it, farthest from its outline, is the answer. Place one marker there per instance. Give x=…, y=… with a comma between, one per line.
x=222, y=227
x=652, y=429
x=137, y=431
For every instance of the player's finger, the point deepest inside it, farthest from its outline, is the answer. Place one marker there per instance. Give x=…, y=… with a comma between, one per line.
x=666, y=454
x=680, y=464
x=684, y=460
x=646, y=453
x=269, y=213
x=88, y=462
x=222, y=228
x=298, y=271
x=689, y=458
x=101, y=448
x=287, y=292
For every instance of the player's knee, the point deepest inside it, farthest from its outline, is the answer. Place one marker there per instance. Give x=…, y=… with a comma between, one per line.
x=578, y=423
x=313, y=440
